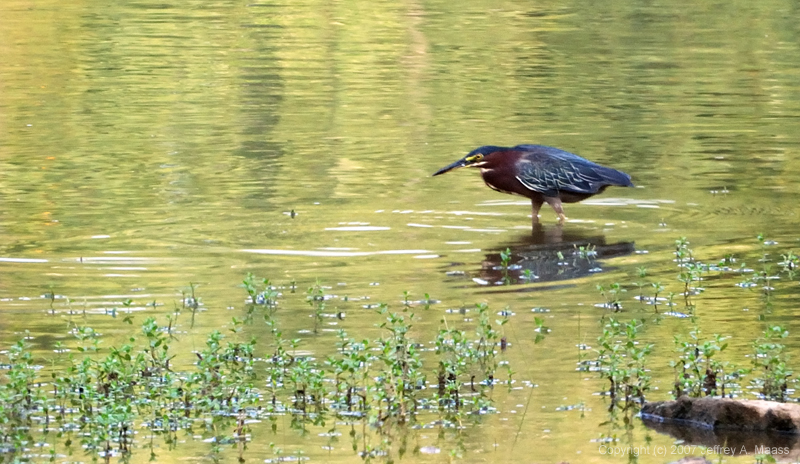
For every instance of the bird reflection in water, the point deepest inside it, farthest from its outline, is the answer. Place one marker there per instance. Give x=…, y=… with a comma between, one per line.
x=550, y=254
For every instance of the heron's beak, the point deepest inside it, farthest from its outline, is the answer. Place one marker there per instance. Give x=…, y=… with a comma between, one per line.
x=458, y=164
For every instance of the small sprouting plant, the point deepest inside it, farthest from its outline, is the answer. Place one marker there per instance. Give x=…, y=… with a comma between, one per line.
x=764, y=276
x=641, y=273
x=18, y=392
x=402, y=377
x=698, y=371
x=315, y=296
x=488, y=341
x=691, y=270
x=453, y=350
x=770, y=364
x=406, y=300
x=190, y=300
x=505, y=261
x=541, y=329
x=87, y=334
x=670, y=299
x=588, y=251
x=790, y=264
x=462, y=359
x=621, y=360
x=351, y=369
x=657, y=289
x=261, y=291
x=727, y=260
x=427, y=301
x=51, y=296
x=505, y=258
x=613, y=295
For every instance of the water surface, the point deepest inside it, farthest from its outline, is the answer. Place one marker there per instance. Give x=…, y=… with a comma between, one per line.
x=146, y=148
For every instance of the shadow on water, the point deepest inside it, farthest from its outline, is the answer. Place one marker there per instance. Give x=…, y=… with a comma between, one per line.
x=550, y=254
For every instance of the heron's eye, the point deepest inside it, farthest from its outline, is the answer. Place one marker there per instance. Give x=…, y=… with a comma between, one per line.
x=475, y=158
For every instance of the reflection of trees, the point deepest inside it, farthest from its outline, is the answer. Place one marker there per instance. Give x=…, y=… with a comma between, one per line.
x=360, y=97
x=139, y=106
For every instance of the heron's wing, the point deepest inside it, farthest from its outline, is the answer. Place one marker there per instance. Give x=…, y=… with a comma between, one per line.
x=549, y=171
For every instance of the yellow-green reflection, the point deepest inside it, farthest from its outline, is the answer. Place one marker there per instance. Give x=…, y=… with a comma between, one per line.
x=147, y=146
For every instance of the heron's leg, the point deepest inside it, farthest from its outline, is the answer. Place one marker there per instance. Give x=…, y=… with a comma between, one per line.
x=555, y=202
x=535, y=206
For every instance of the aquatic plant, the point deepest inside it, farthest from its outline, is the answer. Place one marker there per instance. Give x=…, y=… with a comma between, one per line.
x=770, y=364
x=316, y=299
x=613, y=295
x=402, y=375
x=621, y=360
x=261, y=291
x=690, y=270
x=789, y=264
x=698, y=370
x=641, y=273
x=505, y=258
x=100, y=395
x=528, y=275
x=505, y=261
x=587, y=251
x=350, y=368
x=488, y=343
x=369, y=391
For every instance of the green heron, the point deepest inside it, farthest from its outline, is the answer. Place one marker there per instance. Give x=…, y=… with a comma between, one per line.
x=543, y=174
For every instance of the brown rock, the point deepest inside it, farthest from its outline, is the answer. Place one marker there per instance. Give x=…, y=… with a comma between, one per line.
x=728, y=426
x=726, y=413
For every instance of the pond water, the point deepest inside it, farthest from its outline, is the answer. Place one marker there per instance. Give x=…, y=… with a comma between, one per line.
x=150, y=150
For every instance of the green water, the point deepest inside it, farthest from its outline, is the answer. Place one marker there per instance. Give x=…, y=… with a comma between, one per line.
x=146, y=147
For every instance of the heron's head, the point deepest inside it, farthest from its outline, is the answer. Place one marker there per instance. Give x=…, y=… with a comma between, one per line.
x=476, y=158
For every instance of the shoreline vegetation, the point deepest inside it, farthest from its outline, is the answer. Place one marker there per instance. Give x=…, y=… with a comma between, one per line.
x=94, y=399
